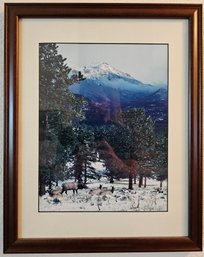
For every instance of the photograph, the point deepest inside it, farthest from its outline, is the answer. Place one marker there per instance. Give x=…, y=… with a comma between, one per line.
x=103, y=127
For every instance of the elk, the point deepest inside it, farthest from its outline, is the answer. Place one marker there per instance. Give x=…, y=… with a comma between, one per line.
x=96, y=191
x=108, y=192
x=55, y=192
x=101, y=191
x=69, y=186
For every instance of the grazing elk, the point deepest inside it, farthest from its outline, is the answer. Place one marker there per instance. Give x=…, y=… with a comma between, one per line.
x=96, y=191
x=102, y=191
x=108, y=192
x=69, y=186
x=56, y=192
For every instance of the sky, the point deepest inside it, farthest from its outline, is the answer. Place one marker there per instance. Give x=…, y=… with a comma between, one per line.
x=145, y=62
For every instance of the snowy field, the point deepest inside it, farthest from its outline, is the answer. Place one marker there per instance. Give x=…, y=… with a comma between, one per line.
x=138, y=200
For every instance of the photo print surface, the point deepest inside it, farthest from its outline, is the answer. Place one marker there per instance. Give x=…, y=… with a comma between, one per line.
x=103, y=127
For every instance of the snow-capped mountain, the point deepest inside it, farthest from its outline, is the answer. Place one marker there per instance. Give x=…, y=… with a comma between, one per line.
x=102, y=69
x=111, y=91
x=107, y=76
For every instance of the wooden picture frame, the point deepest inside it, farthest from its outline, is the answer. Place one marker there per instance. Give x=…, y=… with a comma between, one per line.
x=13, y=14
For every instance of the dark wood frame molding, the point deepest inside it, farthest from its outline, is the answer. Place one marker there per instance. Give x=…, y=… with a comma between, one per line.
x=13, y=13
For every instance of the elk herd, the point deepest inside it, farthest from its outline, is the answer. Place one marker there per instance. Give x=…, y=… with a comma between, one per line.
x=74, y=186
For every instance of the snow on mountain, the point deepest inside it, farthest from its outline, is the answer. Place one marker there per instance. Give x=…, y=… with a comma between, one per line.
x=102, y=69
x=104, y=75
x=112, y=77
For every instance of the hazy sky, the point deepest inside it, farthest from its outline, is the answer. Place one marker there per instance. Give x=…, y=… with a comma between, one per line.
x=145, y=62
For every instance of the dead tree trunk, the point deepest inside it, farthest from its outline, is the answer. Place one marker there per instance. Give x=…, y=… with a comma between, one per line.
x=145, y=181
x=135, y=177
x=140, y=180
x=161, y=183
x=130, y=181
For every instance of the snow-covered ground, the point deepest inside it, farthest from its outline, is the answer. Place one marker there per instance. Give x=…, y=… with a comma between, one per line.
x=139, y=199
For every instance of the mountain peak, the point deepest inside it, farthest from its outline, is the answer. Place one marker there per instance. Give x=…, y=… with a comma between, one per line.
x=102, y=69
x=104, y=65
x=104, y=75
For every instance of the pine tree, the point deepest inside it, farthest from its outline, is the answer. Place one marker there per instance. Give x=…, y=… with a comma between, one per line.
x=55, y=80
x=161, y=158
x=59, y=108
x=141, y=128
x=117, y=142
